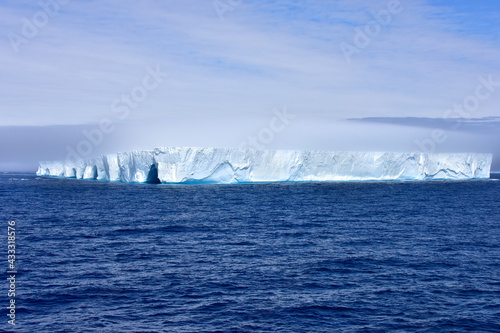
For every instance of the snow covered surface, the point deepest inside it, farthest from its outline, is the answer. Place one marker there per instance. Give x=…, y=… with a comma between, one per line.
x=227, y=166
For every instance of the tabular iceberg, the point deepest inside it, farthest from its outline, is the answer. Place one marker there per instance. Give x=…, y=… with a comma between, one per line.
x=176, y=165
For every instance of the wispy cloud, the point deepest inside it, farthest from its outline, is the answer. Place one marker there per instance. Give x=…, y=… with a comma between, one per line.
x=262, y=56
x=477, y=125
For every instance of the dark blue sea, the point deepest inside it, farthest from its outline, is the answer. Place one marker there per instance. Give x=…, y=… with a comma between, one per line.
x=331, y=257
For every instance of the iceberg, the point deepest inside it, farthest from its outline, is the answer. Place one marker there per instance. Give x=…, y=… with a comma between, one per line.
x=180, y=165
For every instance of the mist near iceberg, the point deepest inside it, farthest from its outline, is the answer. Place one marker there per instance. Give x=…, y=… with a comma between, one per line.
x=178, y=165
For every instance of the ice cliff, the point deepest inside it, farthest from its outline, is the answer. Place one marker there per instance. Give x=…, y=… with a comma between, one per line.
x=217, y=165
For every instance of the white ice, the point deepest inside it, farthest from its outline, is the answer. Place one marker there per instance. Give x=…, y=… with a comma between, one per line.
x=227, y=166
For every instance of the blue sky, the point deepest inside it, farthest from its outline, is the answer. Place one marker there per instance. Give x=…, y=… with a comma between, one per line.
x=232, y=63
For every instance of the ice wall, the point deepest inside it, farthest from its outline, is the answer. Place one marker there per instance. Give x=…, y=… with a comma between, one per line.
x=217, y=165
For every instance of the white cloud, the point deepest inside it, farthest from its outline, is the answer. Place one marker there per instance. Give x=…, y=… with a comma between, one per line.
x=263, y=55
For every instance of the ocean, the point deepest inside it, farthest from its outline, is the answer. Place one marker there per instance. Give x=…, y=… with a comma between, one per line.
x=327, y=257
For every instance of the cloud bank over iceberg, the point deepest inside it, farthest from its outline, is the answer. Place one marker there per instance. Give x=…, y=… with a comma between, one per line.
x=222, y=74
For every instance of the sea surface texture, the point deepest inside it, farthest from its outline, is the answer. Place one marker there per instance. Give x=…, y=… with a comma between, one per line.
x=325, y=257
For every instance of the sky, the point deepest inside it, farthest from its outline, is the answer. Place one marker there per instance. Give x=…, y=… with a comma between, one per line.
x=83, y=77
